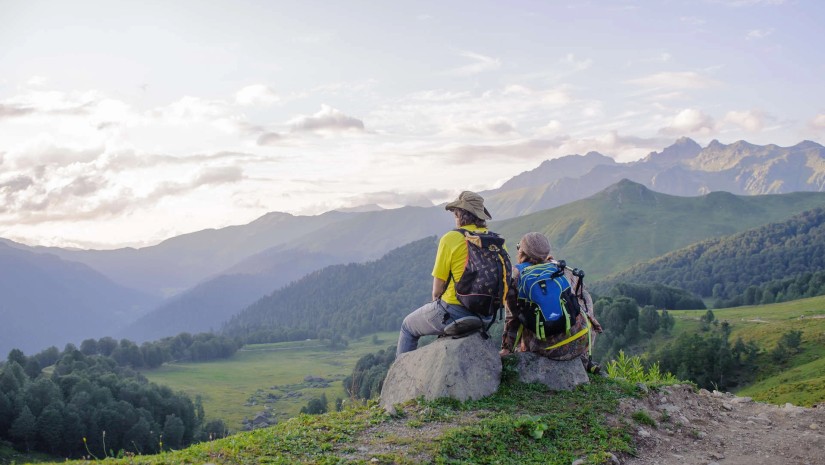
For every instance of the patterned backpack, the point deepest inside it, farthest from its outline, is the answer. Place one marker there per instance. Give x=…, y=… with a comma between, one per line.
x=487, y=273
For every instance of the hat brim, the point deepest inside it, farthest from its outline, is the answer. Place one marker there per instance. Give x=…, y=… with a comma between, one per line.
x=485, y=215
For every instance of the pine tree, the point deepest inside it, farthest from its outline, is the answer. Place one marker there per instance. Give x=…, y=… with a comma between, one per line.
x=23, y=428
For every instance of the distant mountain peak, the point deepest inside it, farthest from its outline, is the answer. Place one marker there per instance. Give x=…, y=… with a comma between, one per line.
x=683, y=149
x=629, y=191
x=808, y=144
x=568, y=166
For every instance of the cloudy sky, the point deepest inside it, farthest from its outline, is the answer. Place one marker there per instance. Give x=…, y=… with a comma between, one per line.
x=125, y=123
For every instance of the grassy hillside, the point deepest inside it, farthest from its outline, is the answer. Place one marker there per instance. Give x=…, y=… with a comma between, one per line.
x=726, y=267
x=627, y=223
x=227, y=386
x=521, y=423
x=800, y=381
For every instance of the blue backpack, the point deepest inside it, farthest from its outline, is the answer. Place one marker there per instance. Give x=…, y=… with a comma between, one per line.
x=555, y=306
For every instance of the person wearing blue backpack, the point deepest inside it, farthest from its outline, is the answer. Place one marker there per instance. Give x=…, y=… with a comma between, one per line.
x=471, y=276
x=549, y=311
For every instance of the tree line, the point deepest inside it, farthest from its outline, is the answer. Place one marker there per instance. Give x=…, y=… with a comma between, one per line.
x=200, y=347
x=807, y=284
x=89, y=405
x=90, y=401
x=368, y=375
x=774, y=258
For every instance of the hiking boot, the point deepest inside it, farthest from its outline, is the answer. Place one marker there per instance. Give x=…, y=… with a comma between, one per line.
x=593, y=368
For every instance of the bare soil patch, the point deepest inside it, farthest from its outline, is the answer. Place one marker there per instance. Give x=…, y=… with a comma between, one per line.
x=716, y=428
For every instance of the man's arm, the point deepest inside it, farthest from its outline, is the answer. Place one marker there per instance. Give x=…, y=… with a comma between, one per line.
x=439, y=286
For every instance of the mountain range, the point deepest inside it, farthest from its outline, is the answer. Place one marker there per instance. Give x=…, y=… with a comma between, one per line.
x=684, y=169
x=207, y=276
x=45, y=300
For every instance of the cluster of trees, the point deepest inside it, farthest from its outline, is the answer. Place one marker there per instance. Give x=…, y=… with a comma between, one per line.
x=807, y=284
x=367, y=377
x=90, y=405
x=787, y=346
x=708, y=358
x=350, y=300
x=319, y=405
x=183, y=347
x=726, y=268
x=625, y=325
x=658, y=295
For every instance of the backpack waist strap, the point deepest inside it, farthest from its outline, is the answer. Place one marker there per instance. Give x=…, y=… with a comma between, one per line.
x=572, y=338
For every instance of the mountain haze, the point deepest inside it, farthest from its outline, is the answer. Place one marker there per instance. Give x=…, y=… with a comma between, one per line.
x=46, y=301
x=183, y=261
x=358, y=238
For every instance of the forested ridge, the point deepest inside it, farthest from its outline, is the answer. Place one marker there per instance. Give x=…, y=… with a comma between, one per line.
x=90, y=401
x=350, y=300
x=725, y=268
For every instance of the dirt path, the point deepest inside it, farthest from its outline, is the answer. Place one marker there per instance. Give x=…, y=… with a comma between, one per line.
x=714, y=428
x=698, y=428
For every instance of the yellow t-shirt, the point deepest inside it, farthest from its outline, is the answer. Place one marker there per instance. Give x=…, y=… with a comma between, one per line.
x=452, y=256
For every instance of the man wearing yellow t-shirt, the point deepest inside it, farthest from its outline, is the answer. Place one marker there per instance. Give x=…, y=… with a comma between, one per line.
x=445, y=309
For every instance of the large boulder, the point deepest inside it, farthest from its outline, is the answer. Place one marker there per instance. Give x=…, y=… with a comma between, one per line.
x=465, y=368
x=556, y=375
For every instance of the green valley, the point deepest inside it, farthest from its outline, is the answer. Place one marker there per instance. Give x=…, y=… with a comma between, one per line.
x=240, y=386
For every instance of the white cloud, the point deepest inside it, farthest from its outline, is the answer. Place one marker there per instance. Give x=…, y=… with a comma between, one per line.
x=552, y=127
x=689, y=121
x=481, y=63
x=256, y=94
x=559, y=96
x=191, y=109
x=270, y=138
x=394, y=199
x=328, y=119
x=818, y=122
x=757, y=34
x=578, y=65
x=10, y=110
x=516, y=89
x=675, y=80
x=692, y=20
x=36, y=81
x=497, y=127
x=750, y=120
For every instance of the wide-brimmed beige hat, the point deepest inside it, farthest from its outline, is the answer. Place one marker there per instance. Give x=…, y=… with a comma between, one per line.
x=471, y=202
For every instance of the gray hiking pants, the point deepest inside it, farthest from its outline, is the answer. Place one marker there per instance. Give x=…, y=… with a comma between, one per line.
x=429, y=320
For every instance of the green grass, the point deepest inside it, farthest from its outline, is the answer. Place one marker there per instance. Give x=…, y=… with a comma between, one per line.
x=9, y=455
x=503, y=428
x=227, y=386
x=801, y=381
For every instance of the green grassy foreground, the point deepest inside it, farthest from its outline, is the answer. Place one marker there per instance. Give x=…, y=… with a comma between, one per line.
x=800, y=381
x=226, y=386
x=520, y=424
